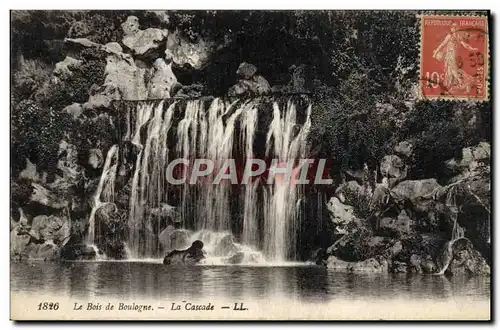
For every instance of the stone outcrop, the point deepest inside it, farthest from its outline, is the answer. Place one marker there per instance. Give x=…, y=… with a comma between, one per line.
x=162, y=80
x=78, y=252
x=249, y=83
x=372, y=265
x=393, y=167
x=63, y=68
x=404, y=149
x=74, y=110
x=44, y=196
x=341, y=214
x=40, y=238
x=414, y=190
x=184, y=52
x=472, y=157
x=467, y=260
x=96, y=158
x=51, y=228
x=142, y=43
x=398, y=226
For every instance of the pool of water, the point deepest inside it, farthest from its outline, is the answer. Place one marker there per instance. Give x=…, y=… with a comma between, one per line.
x=304, y=282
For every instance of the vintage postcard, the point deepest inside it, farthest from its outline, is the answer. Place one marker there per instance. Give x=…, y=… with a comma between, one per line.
x=250, y=165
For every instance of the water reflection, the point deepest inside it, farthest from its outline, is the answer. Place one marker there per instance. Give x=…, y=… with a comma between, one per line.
x=155, y=281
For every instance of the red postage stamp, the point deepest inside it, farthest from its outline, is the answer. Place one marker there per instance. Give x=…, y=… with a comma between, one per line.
x=454, y=57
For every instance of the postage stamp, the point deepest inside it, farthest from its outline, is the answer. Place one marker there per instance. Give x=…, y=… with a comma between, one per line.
x=454, y=57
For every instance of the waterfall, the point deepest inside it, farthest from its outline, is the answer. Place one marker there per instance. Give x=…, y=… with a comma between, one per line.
x=105, y=189
x=187, y=142
x=148, y=182
x=280, y=219
x=457, y=232
x=220, y=132
x=250, y=224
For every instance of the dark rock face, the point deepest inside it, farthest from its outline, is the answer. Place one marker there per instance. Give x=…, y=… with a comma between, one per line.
x=189, y=256
x=398, y=227
x=78, y=252
x=246, y=71
x=467, y=260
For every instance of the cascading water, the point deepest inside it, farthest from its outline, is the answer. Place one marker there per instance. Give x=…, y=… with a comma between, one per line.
x=280, y=219
x=220, y=132
x=148, y=182
x=457, y=232
x=250, y=224
x=105, y=190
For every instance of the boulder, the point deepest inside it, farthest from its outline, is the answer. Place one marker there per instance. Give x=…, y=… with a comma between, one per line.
x=467, y=260
x=399, y=226
x=81, y=43
x=143, y=43
x=96, y=159
x=395, y=249
x=113, y=48
x=107, y=214
x=428, y=266
x=19, y=240
x=188, y=91
x=125, y=78
x=51, y=228
x=78, y=252
x=47, y=250
x=372, y=265
x=393, y=167
x=30, y=173
x=352, y=193
x=190, y=256
x=68, y=161
x=341, y=214
x=246, y=71
x=415, y=264
x=74, y=110
x=404, y=149
x=250, y=84
x=257, y=85
x=44, y=196
x=63, y=68
x=399, y=267
x=380, y=196
x=101, y=97
x=162, y=80
x=184, y=52
x=472, y=157
x=414, y=190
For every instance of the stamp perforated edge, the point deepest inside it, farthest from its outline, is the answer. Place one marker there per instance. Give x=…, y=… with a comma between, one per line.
x=457, y=14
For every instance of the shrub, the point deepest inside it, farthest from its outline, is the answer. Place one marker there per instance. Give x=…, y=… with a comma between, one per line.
x=30, y=76
x=75, y=88
x=36, y=133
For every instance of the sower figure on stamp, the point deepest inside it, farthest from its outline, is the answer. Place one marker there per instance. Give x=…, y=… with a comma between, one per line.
x=447, y=51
